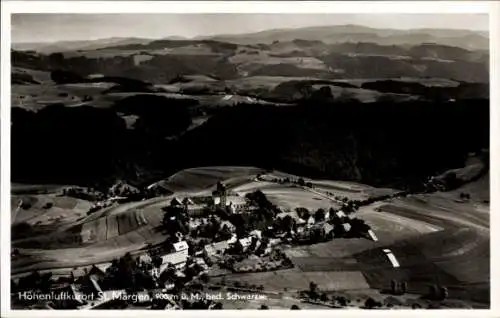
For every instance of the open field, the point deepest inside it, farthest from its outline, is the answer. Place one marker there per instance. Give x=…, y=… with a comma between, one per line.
x=35, y=97
x=296, y=280
x=46, y=208
x=430, y=82
x=41, y=77
x=202, y=178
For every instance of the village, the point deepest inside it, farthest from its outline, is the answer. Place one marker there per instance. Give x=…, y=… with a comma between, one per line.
x=205, y=237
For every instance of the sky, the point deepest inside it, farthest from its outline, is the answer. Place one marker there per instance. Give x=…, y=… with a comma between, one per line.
x=44, y=27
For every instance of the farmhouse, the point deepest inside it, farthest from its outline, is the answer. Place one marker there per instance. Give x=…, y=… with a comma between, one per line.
x=340, y=214
x=175, y=202
x=215, y=248
x=256, y=233
x=346, y=226
x=245, y=242
x=181, y=246
x=327, y=228
x=310, y=221
x=229, y=225
x=178, y=258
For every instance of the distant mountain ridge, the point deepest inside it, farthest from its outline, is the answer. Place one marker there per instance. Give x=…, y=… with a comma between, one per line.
x=63, y=46
x=467, y=39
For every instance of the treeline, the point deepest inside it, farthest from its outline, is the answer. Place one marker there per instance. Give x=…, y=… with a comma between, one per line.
x=383, y=144
x=379, y=66
x=158, y=69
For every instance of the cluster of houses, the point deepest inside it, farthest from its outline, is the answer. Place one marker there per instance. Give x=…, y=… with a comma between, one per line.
x=179, y=257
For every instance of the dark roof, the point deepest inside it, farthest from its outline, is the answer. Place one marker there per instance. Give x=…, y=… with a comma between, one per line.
x=96, y=271
x=175, y=202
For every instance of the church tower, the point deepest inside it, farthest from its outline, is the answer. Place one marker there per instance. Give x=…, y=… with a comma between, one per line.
x=222, y=193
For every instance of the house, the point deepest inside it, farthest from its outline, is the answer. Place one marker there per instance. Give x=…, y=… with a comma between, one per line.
x=233, y=239
x=340, y=214
x=145, y=258
x=90, y=286
x=95, y=76
x=103, y=267
x=181, y=246
x=97, y=273
x=213, y=249
x=73, y=300
x=301, y=221
x=155, y=273
x=229, y=225
x=273, y=242
x=256, y=233
x=201, y=262
x=311, y=221
x=178, y=259
x=327, y=228
x=175, y=202
x=192, y=208
x=245, y=242
x=347, y=226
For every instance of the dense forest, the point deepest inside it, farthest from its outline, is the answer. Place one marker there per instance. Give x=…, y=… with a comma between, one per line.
x=383, y=143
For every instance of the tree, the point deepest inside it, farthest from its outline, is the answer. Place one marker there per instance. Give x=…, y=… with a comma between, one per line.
x=323, y=297
x=339, y=230
x=372, y=303
x=443, y=292
x=319, y=215
x=342, y=301
x=433, y=291
x=394, y=287
x=217, y=305
x=295, y=307
x=263, y=307
x=65, y=77
x=303, y=213
x=204, y=278
x=415, y=306
x=404, y=287
x=157, y=261
x=286, y=223
x=301, y=182
x=313, y=290
x=451, y=180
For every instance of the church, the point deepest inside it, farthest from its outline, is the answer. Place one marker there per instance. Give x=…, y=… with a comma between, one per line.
x=221, y=199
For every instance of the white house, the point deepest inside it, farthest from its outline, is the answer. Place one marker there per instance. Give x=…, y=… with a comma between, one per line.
x=340, y=214
x=347, y=226
x=245, y=242
x=256, y=233
x=181, y=246
x=311, y=221
x=215, y=248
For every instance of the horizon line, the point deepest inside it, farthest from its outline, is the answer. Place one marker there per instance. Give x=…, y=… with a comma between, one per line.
x=206, y=37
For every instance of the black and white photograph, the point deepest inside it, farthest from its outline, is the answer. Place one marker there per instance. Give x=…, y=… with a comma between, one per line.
x=254, y=161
